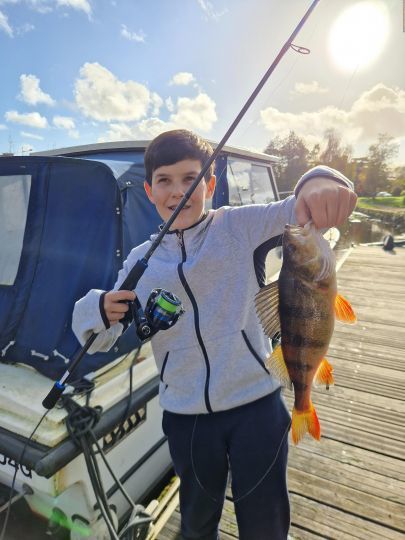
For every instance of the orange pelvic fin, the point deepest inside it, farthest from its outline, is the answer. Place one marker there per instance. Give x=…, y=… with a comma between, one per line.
x=277, y=366
x=343, y=310
x=324, y=374
x=305, y=422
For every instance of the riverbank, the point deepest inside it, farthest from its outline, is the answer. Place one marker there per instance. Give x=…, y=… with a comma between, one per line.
x=392, y=215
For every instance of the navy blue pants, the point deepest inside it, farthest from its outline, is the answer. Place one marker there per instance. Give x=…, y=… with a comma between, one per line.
x=251, y=441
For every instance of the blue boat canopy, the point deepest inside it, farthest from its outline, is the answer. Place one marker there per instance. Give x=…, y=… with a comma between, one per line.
x=66, y=225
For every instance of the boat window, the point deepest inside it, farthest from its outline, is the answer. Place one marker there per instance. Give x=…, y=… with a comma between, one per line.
x=14, y=196
x=249, y=183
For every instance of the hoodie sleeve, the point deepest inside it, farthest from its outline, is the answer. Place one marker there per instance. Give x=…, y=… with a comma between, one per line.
x=88, y=314
x=323, y=170
x=87, y=319
x=257, y=223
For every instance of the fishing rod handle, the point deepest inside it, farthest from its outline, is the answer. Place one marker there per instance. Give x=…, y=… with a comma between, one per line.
x=135, y=274
x=57, y=389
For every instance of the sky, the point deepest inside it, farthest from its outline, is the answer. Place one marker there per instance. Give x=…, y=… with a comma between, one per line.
x=86, y=71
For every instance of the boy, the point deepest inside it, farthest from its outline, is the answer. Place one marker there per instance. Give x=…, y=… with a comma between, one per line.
x=222, y=408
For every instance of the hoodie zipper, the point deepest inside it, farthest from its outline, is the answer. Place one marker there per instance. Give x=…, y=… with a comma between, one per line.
x=196, y=317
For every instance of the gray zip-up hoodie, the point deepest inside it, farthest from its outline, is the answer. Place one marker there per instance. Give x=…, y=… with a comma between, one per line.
x=213, y=358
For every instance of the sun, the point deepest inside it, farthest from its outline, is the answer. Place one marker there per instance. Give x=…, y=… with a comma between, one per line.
x=358, y=35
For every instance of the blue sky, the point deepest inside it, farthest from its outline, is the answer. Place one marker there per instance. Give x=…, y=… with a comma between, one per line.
x=84, y=71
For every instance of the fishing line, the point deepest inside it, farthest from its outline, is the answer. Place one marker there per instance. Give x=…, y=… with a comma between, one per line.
x=268, y=469
x=257, y=483
x=273, y=92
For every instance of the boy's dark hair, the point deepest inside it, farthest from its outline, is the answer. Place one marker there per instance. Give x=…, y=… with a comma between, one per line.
x=173, y=146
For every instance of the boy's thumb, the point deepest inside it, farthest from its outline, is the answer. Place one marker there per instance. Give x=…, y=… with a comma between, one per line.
x=302, y=213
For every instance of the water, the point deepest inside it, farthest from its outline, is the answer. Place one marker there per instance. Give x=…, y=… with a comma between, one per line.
x=361, y=229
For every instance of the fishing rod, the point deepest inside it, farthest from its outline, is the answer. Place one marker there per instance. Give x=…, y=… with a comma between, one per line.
x=141, y=265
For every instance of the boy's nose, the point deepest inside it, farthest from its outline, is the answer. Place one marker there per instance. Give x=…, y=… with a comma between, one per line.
x=178, y=190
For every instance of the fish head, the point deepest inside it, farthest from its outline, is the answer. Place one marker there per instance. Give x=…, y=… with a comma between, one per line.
x=307, y=253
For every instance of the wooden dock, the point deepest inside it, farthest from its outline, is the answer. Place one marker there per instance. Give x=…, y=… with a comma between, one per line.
x=351, y=484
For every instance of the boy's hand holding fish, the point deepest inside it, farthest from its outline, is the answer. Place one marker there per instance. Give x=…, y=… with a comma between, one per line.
x=325, y=202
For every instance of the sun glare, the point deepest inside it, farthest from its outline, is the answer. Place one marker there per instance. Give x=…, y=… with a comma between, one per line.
x=359, y=35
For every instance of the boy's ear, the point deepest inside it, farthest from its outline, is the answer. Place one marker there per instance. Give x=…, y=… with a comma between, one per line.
x=211, y=186
x=148, y=190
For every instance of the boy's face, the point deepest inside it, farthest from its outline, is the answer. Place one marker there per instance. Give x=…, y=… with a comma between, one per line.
x=170, y=183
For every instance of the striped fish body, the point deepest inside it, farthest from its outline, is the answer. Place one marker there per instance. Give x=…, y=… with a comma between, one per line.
x=301, y=307
x=306, y=311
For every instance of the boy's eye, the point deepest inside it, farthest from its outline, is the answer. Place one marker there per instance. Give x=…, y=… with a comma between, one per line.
x=162, y=179
x=189, y=178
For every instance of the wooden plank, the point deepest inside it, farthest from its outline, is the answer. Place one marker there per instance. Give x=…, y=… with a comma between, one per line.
x=335, y=524
x=352, y=476
x=342, y=452
x=348, y=499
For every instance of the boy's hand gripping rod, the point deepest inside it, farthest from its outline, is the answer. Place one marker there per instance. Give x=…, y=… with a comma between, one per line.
x=139, y=268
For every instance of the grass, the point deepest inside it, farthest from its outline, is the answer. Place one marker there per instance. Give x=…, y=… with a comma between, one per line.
x=383, y=203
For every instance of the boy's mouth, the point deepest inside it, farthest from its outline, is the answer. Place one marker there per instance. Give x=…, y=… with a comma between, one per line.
x=173, y=208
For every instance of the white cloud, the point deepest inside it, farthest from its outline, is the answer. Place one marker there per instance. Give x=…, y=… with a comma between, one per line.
x=3, y=126
x=309, y=88
x=378, y=110
x=169, y=104
x=33, y=119
x=31, y=135
x=4, y=25
x=63, y=122
x=31, y=92
x=209, y=10
x=146, y=129
x=182, y=78
x=46, y=6
x=139, y=36
x=67, y=123
x=24, y=29
x=101, y=96
x=157, y=102
x=195, y=113
x=80, y=5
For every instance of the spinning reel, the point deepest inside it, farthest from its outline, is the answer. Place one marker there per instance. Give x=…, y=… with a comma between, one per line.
x=162, y=311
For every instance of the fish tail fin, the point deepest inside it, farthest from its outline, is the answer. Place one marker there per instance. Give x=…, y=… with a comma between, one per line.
x=305, y=422
x=343, y=310
x=277, y=366
x=324, y=374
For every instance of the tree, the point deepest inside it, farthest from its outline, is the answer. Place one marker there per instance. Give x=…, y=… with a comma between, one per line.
x=314, y=155
x=378, y=170
x=293, y=156
x=398, y=181
x=335, y=155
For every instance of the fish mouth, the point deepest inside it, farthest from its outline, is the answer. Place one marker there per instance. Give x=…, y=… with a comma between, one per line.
x=296, y=231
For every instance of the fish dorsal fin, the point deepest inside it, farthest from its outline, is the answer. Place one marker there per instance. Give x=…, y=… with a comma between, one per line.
x=344, y=311
x=266, y=302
